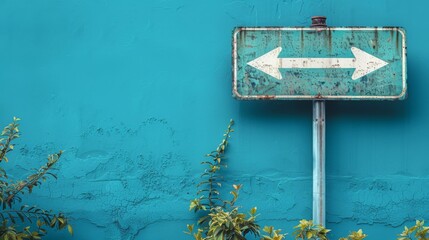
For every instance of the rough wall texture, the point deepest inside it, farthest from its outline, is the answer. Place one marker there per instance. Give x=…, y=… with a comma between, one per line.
x=136, y=92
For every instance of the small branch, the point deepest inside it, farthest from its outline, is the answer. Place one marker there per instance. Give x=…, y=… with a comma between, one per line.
x=12, y=132
x=33, y=179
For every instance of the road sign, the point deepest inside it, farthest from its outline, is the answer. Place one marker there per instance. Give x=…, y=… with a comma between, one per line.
x=337, y=63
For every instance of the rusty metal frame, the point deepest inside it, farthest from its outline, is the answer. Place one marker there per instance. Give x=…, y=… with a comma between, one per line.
x=310, y=97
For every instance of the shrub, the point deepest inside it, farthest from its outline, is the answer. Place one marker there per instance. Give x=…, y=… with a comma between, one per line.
x=20, y=221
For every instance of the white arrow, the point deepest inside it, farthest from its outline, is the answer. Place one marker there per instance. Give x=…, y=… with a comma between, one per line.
x=363, y=63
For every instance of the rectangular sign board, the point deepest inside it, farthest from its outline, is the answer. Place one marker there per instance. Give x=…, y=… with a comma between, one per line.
x=339, y=63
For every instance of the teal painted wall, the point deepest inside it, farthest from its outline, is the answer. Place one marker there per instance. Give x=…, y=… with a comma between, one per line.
x=136, y=92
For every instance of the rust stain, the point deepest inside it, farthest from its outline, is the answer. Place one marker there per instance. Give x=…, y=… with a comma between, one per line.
x=266, y=97
x=397, y=41
x=330, y=39
x=375, y=43
x=318, y=96
x=242, y=36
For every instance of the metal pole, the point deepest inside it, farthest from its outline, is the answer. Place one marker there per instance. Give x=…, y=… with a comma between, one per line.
x=319, y=149
x=319, y=162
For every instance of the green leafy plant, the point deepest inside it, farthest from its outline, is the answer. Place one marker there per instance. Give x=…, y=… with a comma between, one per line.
x=208, y=188
x=272, y=234
x=14, y=215
x=307, y=230
x=418, y=232
x=222, y=219
x=358, y=235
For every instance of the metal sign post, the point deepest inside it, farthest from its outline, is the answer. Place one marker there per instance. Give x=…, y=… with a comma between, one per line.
x=319, y=162
x=319, y=176
x=319, y=63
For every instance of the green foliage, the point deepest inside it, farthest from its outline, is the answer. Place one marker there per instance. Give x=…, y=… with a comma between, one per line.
x=208, y=188
x=272, y=234
x=231, y=224
x=307, y=230
x=222, y=219
x=14, y=214
x=417, y=232
x=359, y=235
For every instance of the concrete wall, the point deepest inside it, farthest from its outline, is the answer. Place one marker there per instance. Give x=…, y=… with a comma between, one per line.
x=136, y=92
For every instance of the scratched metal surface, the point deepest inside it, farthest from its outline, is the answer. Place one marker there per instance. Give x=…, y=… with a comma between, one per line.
x=386, y=83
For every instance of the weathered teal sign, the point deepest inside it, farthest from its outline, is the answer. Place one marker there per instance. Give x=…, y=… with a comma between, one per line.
x=319, y=63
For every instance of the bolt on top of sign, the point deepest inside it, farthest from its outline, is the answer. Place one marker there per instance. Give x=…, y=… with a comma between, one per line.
x=339, y=63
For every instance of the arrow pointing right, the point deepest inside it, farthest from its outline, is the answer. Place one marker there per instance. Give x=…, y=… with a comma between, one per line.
x=363, y=63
